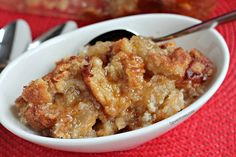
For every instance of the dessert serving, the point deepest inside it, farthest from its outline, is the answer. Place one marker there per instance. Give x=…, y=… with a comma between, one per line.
x=114, y=87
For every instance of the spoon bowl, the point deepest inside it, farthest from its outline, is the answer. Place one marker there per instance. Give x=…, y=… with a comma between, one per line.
x=211, y=23
x=11, y=42
x=113, y=36
x=41, y=60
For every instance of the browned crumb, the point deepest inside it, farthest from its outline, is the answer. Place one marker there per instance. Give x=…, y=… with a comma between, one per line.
x=114, y=87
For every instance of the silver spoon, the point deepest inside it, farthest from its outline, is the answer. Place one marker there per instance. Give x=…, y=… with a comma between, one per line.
x=211, y=23
x=53, y=32
x=16, y=39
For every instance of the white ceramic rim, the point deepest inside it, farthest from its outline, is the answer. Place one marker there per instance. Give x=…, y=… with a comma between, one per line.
x=122, y=136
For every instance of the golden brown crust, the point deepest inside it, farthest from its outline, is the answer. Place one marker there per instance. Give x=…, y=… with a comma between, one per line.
x=114, y=87
x=37, y=118
x=105, y=92
x=76, y=121
x=37, y=93
x=172, y=65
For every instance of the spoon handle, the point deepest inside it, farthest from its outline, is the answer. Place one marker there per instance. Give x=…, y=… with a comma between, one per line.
x=225, y=18
x=53, y=32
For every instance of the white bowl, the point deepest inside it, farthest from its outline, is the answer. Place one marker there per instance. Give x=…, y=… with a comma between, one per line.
x=41, y=60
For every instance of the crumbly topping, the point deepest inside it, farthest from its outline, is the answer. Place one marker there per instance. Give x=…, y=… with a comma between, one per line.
x=114, y=87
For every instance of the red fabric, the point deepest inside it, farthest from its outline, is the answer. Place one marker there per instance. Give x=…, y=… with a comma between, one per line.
x=209, y=132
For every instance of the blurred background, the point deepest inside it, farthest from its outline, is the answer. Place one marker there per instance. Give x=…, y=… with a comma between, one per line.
x=97, y=10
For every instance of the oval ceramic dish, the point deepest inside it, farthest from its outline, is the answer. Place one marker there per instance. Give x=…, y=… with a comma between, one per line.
x=41, y=60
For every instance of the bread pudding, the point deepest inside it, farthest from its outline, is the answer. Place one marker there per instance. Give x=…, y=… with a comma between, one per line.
x=114, y=87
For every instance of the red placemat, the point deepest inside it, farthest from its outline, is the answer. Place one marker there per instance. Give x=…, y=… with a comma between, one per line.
x=209, y=132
